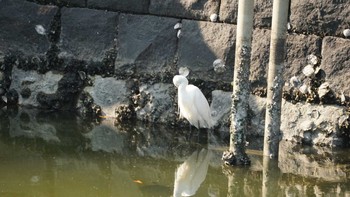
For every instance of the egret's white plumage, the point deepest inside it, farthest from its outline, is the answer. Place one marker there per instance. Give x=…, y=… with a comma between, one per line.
x=192, y=103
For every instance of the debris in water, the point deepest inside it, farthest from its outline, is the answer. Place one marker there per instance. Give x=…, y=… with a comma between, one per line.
x=138, y=181
x=40, y=29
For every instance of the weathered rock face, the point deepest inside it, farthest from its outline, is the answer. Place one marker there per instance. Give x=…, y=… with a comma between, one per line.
x=329, y=17
x=201, y=43
x=146, y=45
x=29, y=84
x=25, y=27
x=120, y=5
x=109, y=93
x=98, y=56
x=335, y=63
x=262, y=12
x=300, y=123
x=155, y=103
x=312, y=124
x=196, y=9
x=298, y=47
x=87, y=35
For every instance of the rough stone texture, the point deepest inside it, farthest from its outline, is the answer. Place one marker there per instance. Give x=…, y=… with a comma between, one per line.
x=201, y=43
x=327, y=17
x=120, y=5
x=229, y=11
x=335, y=63
x=18, y=20
x=146, y=44
x=221, y=109
x=87, y=34
x=298, y=47
x=29, y=84
x=155, y=103
x=109, y=93
x=69, y=3
x=194, y=9
x=260, y=57
x=262, y=12
x=311, y=162
x=312, y=124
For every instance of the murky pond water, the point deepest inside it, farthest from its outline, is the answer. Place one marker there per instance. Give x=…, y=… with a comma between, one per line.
x=59, y=154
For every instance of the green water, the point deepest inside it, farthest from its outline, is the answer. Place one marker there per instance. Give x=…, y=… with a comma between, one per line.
x=59, y=154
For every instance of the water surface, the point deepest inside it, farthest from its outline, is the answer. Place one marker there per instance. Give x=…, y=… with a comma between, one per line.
x=59, y=154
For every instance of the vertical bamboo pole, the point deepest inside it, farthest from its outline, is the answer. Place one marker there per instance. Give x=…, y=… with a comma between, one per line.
x=275, y=77
x=236, y=154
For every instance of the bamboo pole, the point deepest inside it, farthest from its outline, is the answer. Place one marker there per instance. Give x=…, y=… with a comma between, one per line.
x=236, y=154
x=275, y=77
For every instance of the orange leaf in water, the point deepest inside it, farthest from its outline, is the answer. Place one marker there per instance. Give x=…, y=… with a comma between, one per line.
x=138, y=181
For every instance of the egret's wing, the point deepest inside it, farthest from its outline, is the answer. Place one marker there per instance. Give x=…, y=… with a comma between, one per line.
x=202, y=107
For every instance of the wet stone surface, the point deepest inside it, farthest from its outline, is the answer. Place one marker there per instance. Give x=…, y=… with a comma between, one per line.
x=87, y=38
x=25, y=27
x=200, y=9
x=204, y=36
x=146, y=45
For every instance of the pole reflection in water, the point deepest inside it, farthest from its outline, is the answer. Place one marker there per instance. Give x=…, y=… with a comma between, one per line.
x=270, y=172
x=191, y=173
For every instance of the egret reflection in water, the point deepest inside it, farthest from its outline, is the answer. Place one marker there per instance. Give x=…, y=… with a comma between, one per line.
x=191, y=173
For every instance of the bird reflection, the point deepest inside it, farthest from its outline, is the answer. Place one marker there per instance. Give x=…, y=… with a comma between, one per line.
x=190, y=174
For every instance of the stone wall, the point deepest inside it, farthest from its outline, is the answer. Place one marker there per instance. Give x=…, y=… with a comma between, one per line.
x=117, y=57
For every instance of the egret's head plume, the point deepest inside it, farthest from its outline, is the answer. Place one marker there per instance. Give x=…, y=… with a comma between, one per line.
x=179, y=79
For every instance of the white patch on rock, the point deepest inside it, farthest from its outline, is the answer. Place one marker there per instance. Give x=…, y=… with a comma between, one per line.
x=35, y=82
x=109, y=93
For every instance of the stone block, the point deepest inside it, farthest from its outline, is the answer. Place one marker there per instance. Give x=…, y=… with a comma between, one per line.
x=194, y=9
x=201, y=43
x=146, y=44
x=312, y=124
x=68, y=3
x=87, y=34
x=25, y=27
x=298, y=47
x=109, y=93
x=136, y=6
x=29, y=84
x=322, y=17
x=221, y=109
x=260, y=57
x=155, y=103
x=335, y=63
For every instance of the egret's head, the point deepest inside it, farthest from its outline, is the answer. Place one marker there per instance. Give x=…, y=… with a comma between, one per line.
x=179, y=79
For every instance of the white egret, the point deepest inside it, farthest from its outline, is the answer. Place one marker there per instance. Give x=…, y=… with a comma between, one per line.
x=192, y=103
